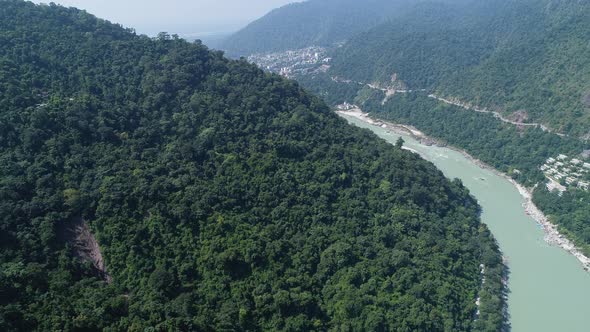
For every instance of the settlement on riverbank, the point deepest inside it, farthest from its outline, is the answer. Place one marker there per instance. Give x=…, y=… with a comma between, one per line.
x=552, y=234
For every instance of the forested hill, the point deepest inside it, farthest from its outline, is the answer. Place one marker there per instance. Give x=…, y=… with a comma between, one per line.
x=531, y=56
x=217, y=196
x=314, y=22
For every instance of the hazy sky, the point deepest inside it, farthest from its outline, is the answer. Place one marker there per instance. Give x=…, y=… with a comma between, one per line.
x=177, y=16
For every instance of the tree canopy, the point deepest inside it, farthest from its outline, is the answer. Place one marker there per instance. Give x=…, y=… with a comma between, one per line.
x=221, y=197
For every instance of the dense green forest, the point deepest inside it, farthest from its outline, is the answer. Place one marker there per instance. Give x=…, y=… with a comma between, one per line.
x=222, y=197
x=571, y=211
x=507, y=55
x=333, y=93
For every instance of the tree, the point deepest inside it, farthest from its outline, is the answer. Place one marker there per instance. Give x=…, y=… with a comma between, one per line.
x=399, y=143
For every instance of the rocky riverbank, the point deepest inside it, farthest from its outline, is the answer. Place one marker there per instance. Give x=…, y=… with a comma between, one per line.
x=552, y=234
x=396, y=128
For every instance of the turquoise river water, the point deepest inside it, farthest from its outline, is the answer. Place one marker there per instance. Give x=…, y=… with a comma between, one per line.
x=548, y=289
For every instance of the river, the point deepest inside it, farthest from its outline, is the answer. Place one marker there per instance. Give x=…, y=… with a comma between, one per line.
x=548, y=289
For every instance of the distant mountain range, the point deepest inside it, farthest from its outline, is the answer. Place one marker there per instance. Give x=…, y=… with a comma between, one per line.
x=316, y=22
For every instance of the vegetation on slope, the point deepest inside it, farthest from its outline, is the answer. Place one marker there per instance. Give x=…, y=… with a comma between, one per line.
x=509, y=55
x=519, y=152
x=223, y=198
x=315, y=22
x=570, y=210
x=524, y=57
x=515, y=151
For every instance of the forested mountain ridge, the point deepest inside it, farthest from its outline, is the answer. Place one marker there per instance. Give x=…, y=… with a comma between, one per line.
x=527, y=57
x=222, y=197
x=309, y=23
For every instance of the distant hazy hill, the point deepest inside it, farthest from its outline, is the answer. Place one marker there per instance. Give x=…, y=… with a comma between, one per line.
x=220, y=197
x=212, y=40
x=315, y=22
x=513, y=55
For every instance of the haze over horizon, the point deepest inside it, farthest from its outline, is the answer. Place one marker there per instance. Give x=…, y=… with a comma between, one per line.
x=198, y=18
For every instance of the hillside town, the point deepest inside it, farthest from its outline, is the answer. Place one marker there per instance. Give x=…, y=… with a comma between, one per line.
x=564, y=172
x=295, y=62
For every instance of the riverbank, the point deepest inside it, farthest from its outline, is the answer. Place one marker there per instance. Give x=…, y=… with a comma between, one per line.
x=552, y=234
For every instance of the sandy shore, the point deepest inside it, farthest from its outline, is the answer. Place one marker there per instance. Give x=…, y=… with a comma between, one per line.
x=398, y=128
x=552, y=234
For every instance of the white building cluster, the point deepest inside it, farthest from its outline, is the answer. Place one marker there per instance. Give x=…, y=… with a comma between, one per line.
x=292, y=63
x=572, y=172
